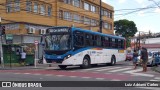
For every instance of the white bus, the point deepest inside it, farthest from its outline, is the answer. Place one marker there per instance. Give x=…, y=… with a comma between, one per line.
x=68, y=46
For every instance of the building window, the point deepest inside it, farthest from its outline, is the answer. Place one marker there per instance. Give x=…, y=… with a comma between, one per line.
x=17, y=5
x=76, y=3
x=67, y=16
x=93, y=22
x=42, y=10
x=86, y=6
x=60, y=14
x=106, y=25
x=86, y=20
x=36, y=7
x=49, y=10
x=9, y=6
x=28, y=6
x=110, y=14
x=76, y=18
x=105, y=13
x=110, y=27
x=93, y=8
x=67, y=1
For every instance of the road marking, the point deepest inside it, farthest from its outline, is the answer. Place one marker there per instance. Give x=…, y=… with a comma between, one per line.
x=154, y=80
x=118, y=70
x=100, y=78
x=108, y=69
x=86, y=77
x=72, y=76
x=37, y=74
x=60, y=75
x=72, y=71
x=48, y=75
x=157, y=78
x=26, y=73
x=94, y=68
x=133, y=71
x=115, y=80
x=142, y=74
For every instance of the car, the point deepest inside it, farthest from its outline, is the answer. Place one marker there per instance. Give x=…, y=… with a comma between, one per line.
x=153, y=59
x=157, y=58
x=129, y=56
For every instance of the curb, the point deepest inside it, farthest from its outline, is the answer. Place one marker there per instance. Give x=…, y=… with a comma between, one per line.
x=155, y=69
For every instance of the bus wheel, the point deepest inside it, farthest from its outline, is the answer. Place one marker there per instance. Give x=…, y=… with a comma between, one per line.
x=62, y=66
x=113, y=61
x=86, y=63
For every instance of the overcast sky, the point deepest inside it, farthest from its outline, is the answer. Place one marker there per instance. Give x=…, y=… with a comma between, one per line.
x=148, y=19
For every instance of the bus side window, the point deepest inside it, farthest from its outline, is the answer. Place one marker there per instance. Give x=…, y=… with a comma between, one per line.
x=78, y=39
x=119, y=43
x=110, y=42
x=122, y=44
x=88, y=40
x=98, y=41
x=116, y=43
x=113, y=43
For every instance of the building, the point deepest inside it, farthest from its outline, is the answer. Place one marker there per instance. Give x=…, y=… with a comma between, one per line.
x=27, y=20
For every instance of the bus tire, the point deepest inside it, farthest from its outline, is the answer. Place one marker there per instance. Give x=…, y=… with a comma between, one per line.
x=113, y=61
x=62, y=66
x=86, y=63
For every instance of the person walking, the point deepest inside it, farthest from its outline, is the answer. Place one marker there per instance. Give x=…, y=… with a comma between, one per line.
x=135, y=59
x=23, y=57
x=144, y=57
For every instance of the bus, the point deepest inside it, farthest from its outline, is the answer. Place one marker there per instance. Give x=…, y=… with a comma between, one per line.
x=70, y=46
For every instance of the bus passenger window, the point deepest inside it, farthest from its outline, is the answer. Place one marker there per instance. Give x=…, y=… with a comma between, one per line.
x=89, y=41
x=122, y=44
x=119, y=43
x=79, y=40
x=113, y=43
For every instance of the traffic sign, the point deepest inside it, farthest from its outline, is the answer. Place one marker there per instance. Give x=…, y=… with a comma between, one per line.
x=36, y=42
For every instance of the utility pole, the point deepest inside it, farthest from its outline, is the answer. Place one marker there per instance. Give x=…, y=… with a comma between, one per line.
x=139, y=40
x=100, y=23
x=1, y=49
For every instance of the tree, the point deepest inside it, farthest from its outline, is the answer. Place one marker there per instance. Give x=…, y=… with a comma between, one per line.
x=126, y=29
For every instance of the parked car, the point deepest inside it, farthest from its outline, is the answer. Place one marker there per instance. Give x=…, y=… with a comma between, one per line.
x=157, y=58
x=129, y=56
x=153, y=59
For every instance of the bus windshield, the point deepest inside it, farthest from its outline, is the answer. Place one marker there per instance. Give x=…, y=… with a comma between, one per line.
x=58, y=42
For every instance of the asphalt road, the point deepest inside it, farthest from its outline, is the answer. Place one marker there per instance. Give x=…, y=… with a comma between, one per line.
x=123, y=71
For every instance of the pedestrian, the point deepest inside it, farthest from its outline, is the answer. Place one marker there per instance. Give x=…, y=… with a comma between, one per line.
x=144, y=57
x=23, y=57
x=135, y=59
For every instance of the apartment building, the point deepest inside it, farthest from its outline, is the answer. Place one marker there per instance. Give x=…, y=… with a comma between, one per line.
x=27, y=20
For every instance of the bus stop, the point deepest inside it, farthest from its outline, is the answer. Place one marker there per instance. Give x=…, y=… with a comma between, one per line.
x=12, y=56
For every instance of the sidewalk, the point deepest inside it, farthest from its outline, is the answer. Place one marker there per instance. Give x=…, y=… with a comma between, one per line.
x=157, y=69
x=38, y=66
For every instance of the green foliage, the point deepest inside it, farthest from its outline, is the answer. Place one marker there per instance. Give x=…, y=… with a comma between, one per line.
x=125, y=28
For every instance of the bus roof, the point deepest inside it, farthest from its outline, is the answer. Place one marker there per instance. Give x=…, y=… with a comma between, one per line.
x=93, y=32
x=89, y=31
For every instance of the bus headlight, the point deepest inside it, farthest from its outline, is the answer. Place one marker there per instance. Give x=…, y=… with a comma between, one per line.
x=68, y=56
